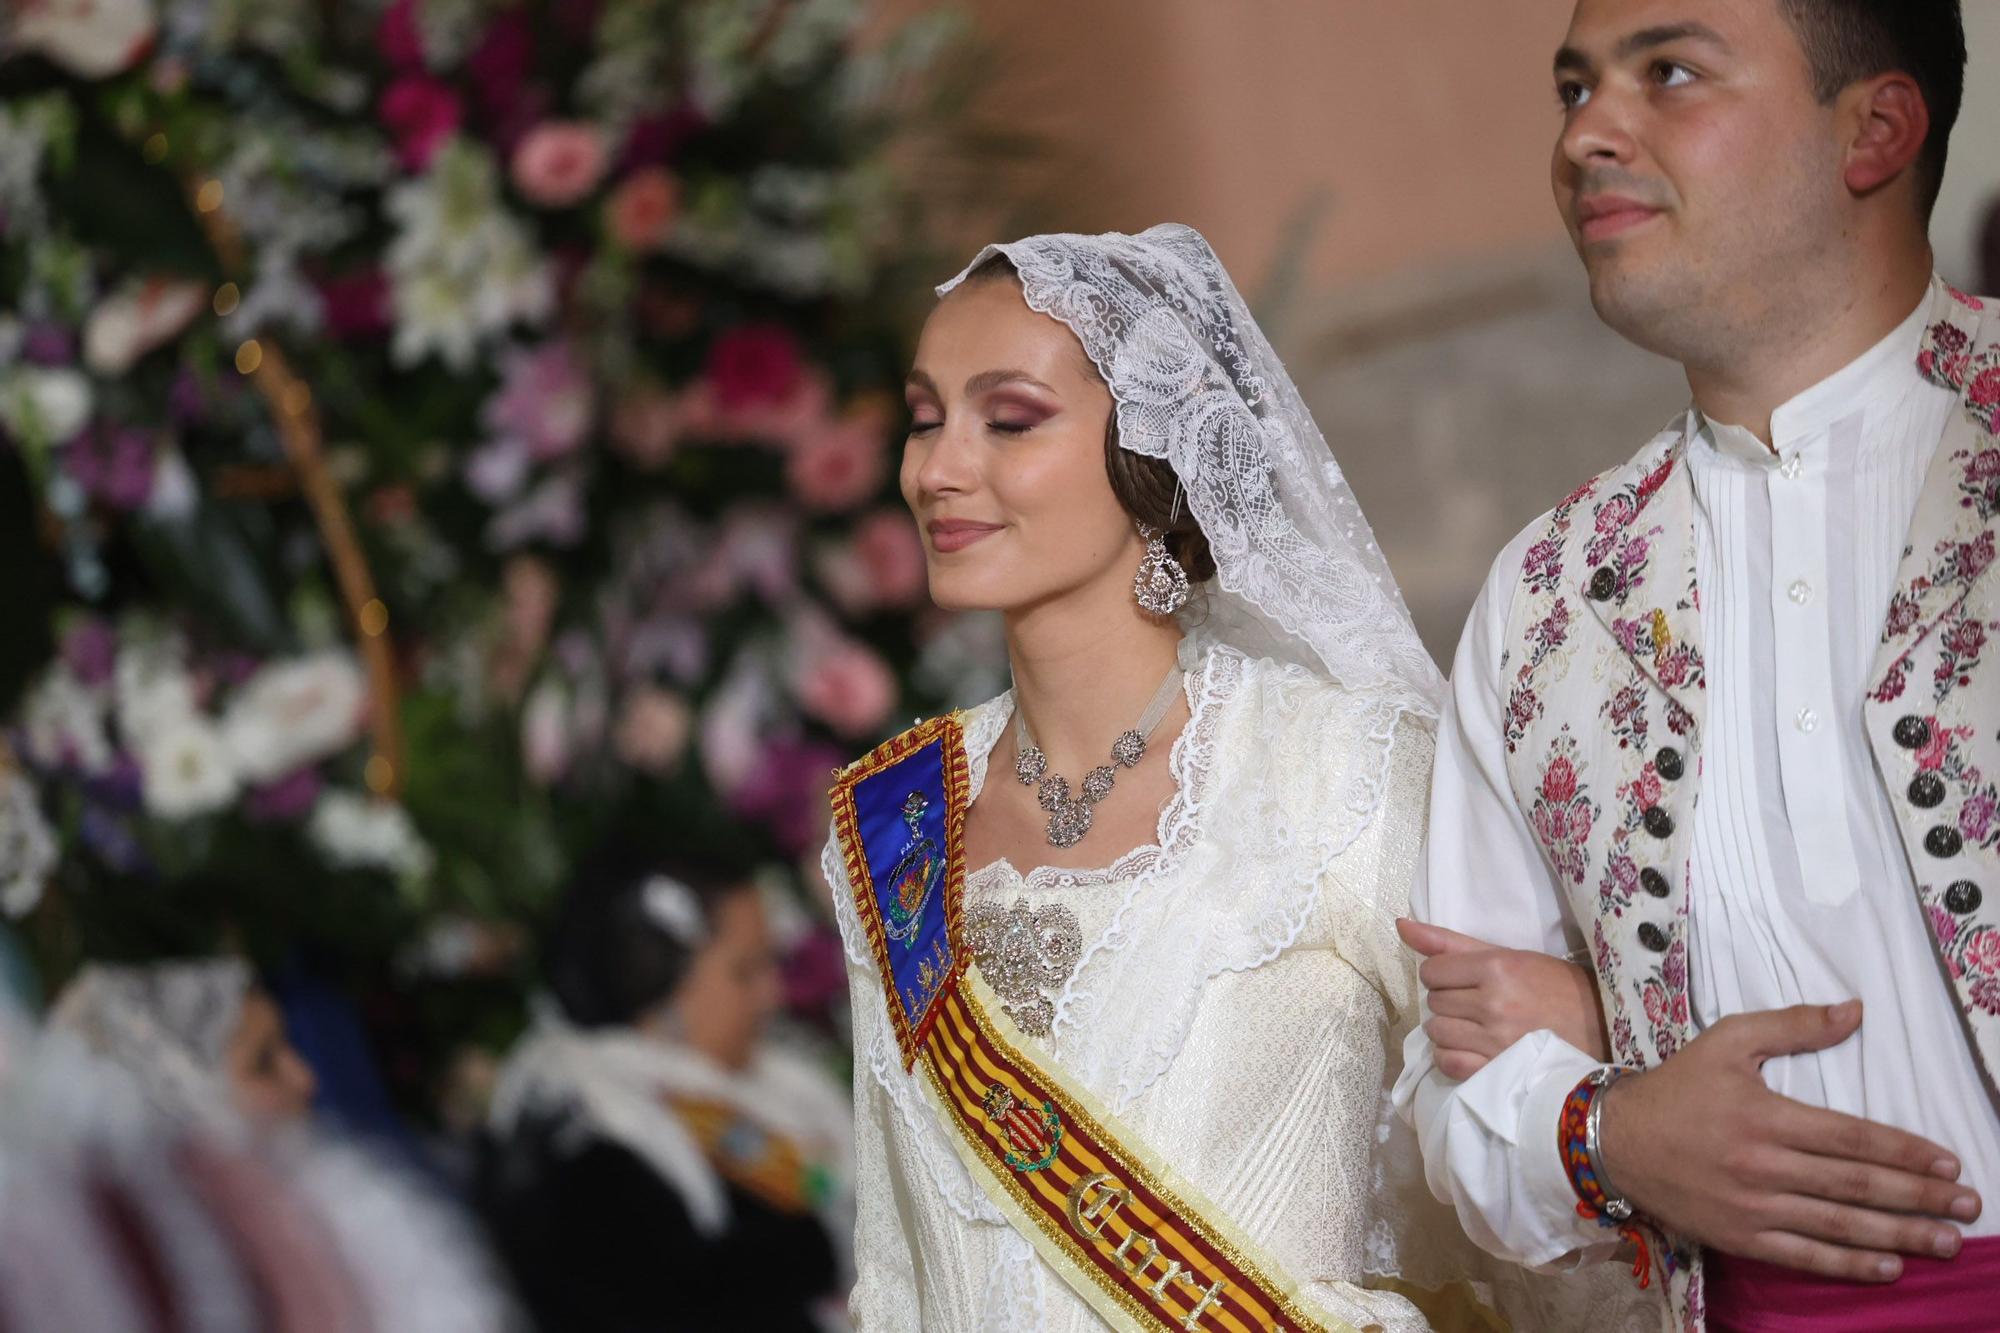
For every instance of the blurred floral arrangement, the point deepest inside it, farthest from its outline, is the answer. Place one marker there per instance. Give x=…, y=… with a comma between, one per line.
x=455, y=430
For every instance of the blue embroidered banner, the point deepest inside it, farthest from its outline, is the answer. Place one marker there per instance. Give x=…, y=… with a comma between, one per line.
x=902, y=822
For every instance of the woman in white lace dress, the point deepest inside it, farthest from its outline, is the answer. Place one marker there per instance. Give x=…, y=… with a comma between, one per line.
x=1200, y=929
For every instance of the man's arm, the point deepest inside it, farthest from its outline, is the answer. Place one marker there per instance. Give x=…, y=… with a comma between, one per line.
x=1700, y=1145
x=1489, y=1142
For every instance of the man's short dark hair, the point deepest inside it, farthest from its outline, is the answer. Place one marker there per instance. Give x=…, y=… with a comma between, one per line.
x=1847, y=41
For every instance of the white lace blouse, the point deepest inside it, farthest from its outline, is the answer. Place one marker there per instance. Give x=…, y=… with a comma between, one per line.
x=1238, y=990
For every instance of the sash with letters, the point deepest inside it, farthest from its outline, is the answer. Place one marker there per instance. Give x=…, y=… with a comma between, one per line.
x=1145, y=1250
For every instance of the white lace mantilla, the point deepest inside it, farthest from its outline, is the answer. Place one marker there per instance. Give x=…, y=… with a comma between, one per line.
x=1239, y=989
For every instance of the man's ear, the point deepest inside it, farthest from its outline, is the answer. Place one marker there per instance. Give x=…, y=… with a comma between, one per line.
x=1887, y=123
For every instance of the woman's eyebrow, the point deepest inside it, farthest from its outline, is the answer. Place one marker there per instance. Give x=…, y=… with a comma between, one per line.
x=987, y=380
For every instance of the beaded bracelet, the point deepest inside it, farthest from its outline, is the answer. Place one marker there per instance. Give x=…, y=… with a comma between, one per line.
x=1576, y=1140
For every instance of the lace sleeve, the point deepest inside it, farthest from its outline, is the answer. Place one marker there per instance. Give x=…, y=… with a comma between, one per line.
x=884, y=1299
x=1368, y=885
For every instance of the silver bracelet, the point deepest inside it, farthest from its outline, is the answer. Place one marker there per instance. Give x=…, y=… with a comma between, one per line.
x=1616, y=1206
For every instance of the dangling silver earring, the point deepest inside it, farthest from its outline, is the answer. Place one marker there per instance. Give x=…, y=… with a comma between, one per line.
x=1161, y=586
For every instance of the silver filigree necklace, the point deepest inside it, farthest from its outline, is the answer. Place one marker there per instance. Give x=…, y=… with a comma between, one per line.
x=1071, y=814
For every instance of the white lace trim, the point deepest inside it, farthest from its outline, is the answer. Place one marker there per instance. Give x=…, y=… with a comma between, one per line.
x=1279, y=861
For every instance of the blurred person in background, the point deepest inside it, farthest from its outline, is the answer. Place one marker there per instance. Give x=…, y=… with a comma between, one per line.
x=656, y=1164
x=120, y=1212
x=200, y=1036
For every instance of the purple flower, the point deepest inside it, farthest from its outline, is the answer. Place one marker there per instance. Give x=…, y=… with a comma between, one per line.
x=113, y=464
x=285, y=801
x=545, y=401
x=784, y=791
x=186, y=402
x=44, y=344
x=110, y=837
x=120, y=788
x=90, y=649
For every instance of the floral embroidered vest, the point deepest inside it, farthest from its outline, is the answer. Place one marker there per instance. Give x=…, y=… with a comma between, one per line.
x=1605, y=690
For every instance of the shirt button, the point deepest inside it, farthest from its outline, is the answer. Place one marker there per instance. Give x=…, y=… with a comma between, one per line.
x=1794, y=468
x=1800, y=592
x=1807, y=721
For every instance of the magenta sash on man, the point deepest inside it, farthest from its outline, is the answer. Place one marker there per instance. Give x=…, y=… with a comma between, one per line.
x=1959, y=1295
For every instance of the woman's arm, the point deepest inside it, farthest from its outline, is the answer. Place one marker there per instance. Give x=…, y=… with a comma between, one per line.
x=1484, y=998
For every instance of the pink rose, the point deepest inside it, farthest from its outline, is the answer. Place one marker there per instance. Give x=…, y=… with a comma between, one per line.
x=643, y=208
x=420, y=113
x=846, y=686
x=558, y=163
x=753, y=364
x=839, y=467
x=1975, y=817
x=1646, y=791
x=653, y=729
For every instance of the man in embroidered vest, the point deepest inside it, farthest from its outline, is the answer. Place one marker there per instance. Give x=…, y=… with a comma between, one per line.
x=1726, y=721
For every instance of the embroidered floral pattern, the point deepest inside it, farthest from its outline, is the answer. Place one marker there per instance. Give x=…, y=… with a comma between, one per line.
x=1626, y=712
x=1960, y=639
x=1982, y=394
x=1651, y=636
x=1541, y=570
x=1972, y=956
x=1664, y=994
x=1957, y=565
x=1563, y=813
x=1524, y=706
x=1979, y=480
x=1605, y=956
x=1947, y=356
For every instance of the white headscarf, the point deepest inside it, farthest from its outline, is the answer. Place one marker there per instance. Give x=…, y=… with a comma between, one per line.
x=169, y=1024
x=1299, y=577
